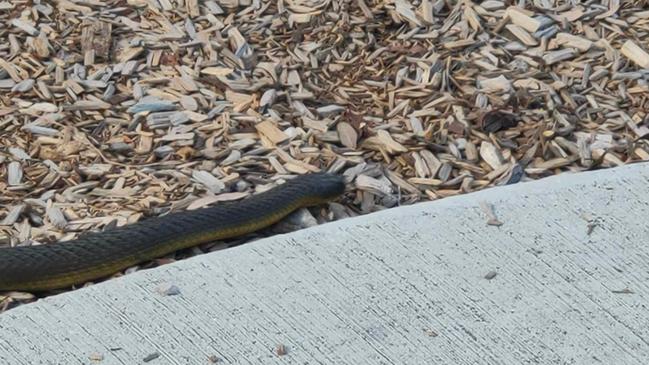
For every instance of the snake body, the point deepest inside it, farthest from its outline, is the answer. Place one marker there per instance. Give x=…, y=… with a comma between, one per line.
x=99, y=254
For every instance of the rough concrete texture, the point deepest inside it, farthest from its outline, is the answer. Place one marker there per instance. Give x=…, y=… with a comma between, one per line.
x=404, y=286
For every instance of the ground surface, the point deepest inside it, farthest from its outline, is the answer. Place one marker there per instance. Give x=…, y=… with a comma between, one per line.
x=115, y=111
x=558, y=276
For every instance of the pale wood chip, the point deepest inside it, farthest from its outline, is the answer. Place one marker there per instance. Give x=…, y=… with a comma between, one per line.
x=375, y=186
x=14, y=173
x=497, y=84
x=635, y=53
x=404, y=9
x=208, y=200
x=25, y=27
x=551, y=58
x=13, y=214
x=347, y=134
x=385, y=140
x=520, y=33
x=330, y=110
x=270, y=131
x=522, y=18
x=580, y=43
x=208, y=180
x=56, y=217
x=268, y=98
x=217, y=71
x=491, y=155
x=488, y=210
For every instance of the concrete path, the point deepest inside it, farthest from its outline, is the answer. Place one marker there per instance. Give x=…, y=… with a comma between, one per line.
x=413, y=285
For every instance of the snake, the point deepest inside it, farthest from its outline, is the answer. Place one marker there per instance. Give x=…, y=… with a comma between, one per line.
x=100, y=254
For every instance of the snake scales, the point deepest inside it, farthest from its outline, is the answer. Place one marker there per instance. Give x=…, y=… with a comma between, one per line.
x=99, y=254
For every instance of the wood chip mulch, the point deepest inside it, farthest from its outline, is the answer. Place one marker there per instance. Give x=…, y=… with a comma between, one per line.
x=113, y=111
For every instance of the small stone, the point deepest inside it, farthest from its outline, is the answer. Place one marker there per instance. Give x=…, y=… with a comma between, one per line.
x=241, y=185
x=96, y=357
x=168, y=289
x=300, y=219
x=431, y=333
x=151, y=357
x=389, y=201
x=280, y=350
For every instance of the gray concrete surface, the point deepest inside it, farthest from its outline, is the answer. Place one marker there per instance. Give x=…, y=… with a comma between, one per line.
x=404, y=286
